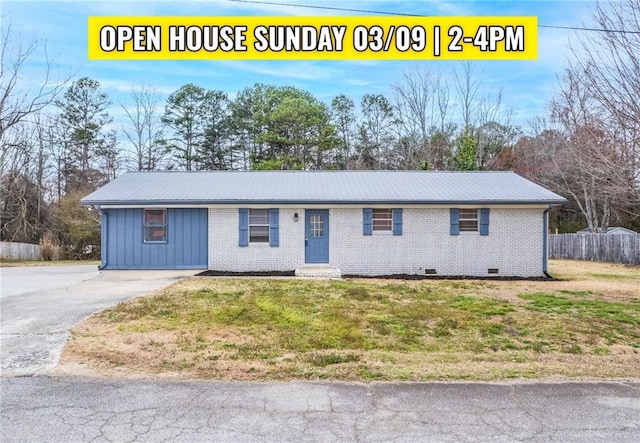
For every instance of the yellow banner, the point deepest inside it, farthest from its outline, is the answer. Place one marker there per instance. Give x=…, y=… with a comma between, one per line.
x=313, y=38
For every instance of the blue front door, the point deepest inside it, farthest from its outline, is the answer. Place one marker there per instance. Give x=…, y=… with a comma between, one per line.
x=316, y=239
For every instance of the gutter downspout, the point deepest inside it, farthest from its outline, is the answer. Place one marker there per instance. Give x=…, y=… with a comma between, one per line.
x=545, y=242
x=103, y=238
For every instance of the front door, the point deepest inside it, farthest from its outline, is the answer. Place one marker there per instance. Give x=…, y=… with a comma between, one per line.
x=316, y=239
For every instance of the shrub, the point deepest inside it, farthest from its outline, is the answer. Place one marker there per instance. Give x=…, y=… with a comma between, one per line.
x=47, y=249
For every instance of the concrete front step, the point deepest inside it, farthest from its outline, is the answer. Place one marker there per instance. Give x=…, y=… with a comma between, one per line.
x=318, y=272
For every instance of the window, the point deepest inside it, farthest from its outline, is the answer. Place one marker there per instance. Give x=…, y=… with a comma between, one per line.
x=468, y=220
x=382, y=219
x=258, y=226
x=155, y=225
x=316, y=225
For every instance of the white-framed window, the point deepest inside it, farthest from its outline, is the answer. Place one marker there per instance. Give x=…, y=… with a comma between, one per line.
x=382, y=220
x=468, y=220
x=316, y=225
x=258, y=226
x=155, y=225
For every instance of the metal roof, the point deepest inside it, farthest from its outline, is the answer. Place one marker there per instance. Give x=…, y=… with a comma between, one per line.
x=321, y=187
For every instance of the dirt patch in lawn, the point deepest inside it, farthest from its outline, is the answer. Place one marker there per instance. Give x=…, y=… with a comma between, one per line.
x=587, y=325
x=604, y=281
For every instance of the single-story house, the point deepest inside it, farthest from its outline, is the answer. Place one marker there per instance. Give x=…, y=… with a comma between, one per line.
x=612, y=230
x=349, y=222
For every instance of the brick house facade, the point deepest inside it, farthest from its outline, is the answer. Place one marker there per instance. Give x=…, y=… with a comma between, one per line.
x=513, y=246
x=354, y=223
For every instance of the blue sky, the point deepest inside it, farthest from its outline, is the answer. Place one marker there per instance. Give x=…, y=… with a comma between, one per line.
x=527, y=86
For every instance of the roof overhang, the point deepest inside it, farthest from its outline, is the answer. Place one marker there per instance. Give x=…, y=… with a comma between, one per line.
x=187, y=203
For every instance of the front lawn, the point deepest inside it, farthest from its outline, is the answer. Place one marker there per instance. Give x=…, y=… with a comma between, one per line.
x=280, y=329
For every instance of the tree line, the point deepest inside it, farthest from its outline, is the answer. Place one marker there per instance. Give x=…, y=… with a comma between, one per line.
x=60, y=143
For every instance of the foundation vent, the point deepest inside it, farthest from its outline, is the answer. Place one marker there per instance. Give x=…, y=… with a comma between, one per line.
x=430, y=271
x=493, y=271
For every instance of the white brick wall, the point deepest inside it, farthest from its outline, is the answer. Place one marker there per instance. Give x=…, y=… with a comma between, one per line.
x=514, y=244
x=226, y=255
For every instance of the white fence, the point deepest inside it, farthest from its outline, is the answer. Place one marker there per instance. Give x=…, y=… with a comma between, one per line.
x=596, y=247
x=23, y=251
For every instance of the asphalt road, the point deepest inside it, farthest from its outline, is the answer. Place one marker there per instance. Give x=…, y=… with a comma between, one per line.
x=100, y=410
x=39, y=304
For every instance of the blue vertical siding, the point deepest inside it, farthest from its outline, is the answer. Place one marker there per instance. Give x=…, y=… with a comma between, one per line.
x=123, y=245
x=103, y=236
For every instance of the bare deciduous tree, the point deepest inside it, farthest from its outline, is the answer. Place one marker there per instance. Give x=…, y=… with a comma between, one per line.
x=18, y=97
x=607, y=64
x=467, y=84
x=581, y=158
x=415, y=99
x=144, y=130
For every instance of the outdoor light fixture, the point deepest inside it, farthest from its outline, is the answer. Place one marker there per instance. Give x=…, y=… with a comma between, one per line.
x=295, y=217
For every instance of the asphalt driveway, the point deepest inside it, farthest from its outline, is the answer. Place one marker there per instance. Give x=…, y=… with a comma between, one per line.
x=39, y=304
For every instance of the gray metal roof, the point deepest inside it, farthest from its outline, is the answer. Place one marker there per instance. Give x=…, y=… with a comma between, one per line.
x=316, y=187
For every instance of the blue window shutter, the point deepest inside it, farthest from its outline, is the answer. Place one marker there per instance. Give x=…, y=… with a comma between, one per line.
x=397, y=221
x=455, y=221
x=243, y=226
x=484, y=221
x=367, y=221
x=274, y=235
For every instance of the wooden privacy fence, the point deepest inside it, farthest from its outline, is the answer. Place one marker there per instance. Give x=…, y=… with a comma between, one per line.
x=596, y=247
x=23, y=251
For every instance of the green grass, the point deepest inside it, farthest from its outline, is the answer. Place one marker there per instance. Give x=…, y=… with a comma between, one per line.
x=616, y=277
x=616, y=313
x=362, y=330
x=323, y=360
x=594, y=322
x=310, y=315
x=577, y=293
